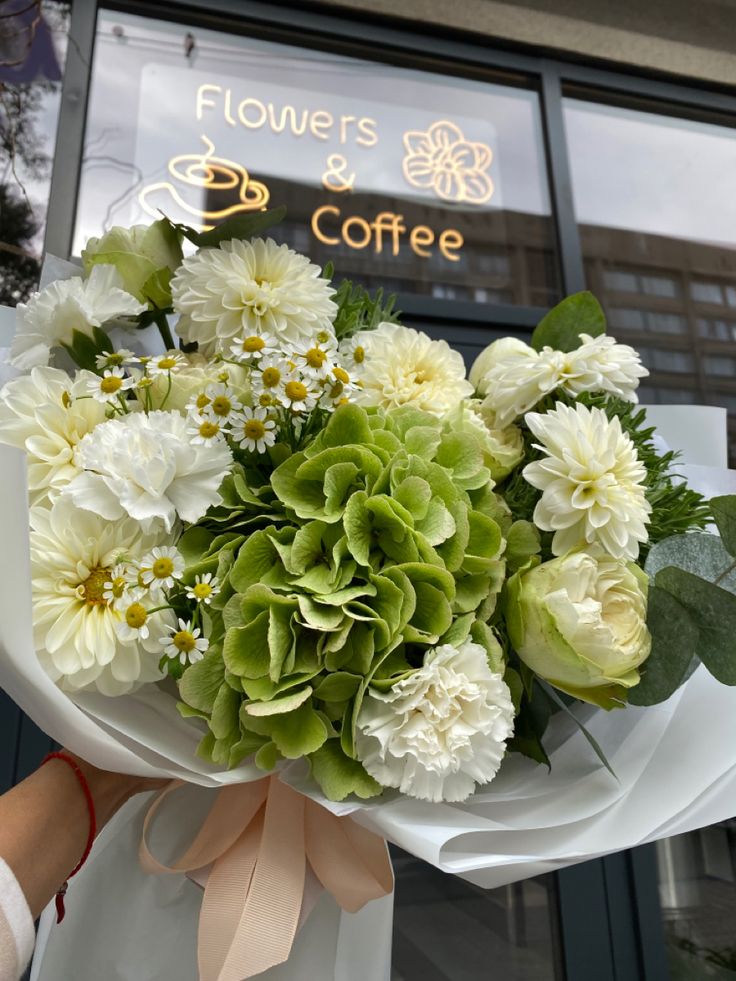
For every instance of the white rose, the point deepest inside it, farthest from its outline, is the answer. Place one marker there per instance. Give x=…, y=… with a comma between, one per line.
x=440, y=731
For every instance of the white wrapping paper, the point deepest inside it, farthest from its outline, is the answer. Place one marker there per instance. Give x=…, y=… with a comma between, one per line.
x=675, y=766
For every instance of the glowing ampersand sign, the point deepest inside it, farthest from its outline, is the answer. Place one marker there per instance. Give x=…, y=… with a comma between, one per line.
x=207, y=173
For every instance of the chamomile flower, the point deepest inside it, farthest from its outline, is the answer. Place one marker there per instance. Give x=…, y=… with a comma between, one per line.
x=205, y=429
x=255, y=431
x=269, y=374
x=112, y=384
x=115, y=359
x=223, y=402
x=116, y=585
x=352, y=352
x=315, y=358
x=338, y=388
x=184, y=642
x=166, y=363
x=253, y=348
x=133, y=624
x=205, y=588
x=299, y=393
x=161, y=567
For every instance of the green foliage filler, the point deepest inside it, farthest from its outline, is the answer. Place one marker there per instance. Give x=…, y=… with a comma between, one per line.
x=382, y=538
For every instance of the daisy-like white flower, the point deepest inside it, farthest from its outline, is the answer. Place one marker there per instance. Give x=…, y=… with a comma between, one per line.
x=184, y=642
x=299, y=393
x=315, y=358
x=133, y=624
x=339, y=389
x=50, y=317
x=604, y=365
x=440, y=731
x=403, y=366
x=115, y=359
x=591, y=479
x=352, y=352
x=222, y=403
x=111, y=385
x=255, y=431
x=41, y=415
x=75, y=559
x=166, y=363
x=116, y=585
x=205, y=588
x=161, y=567
x=204, y=429
x=144, y=465
x=270, y=374
x=253, y=348
x=243, y=288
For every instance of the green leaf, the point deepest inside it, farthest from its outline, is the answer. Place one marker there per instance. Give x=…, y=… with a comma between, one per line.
x=194, y=544
x=713, y=611
x=724, y=515
x=201, y=682
x=522, y=541
x=246, y=652
x=239, y=226
x=268, y=756
x=552, y=694
x=674, y=641
x=338, y=775
x=561, y=328
x=296, y=734
x=337, y=687
x=277, y=706
x=225, y=711
x=515, y=686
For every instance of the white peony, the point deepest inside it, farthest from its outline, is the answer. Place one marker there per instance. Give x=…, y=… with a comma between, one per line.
x=40, y=415
x=145, y=466
x=513, y=377
x=440, y=731
x=579, y=621
x=403, y=366
x=51, y=316
x=247, y=288
x=73, y=553
x=591, y=479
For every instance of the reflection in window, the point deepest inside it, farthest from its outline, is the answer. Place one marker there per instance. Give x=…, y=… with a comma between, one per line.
x=350, y=146
x=657, y=220
x=31, y=65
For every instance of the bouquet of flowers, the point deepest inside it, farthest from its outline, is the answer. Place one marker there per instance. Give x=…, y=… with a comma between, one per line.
x=298, y=532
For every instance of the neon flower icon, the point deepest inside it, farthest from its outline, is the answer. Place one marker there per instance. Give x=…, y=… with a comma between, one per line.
x=444, y=161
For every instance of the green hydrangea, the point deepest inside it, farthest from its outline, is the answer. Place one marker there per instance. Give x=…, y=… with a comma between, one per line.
x=380, y=540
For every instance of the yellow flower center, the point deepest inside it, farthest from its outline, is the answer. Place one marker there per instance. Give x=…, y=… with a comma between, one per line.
x=202, y=590
x=208, y=429
x=222, y=406
x=224, y=377
x=145, y=382
x=315, y=357
x=336, y=390
x=254, y=429
x=136, y=616
x=117, y=586
x=93, y=587
x=66, y=400
x=111, y=384
x=254, y=343
x=166, y=364
x=359, y=355
x=162, y=568
x=271, y=377
x=114, y=359
x=184, y=641
x=295, y=391
x=323, y=337
x=202, y=401
x=341, y=374
x=265, y=400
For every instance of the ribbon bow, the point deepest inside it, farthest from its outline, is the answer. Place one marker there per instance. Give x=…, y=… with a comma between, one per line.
x=258, y=838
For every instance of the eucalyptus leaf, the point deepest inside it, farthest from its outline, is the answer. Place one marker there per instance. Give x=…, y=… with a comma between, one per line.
x=555, y=698
x=243, y=226
x=724, y=515
x=674, y=641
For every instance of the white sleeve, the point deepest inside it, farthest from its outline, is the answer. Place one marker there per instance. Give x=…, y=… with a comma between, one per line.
x=17, y=935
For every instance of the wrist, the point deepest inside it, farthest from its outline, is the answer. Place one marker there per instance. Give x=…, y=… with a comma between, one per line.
x=109, y=790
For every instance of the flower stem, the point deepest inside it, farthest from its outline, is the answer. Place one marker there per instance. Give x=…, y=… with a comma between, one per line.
x=162, y=323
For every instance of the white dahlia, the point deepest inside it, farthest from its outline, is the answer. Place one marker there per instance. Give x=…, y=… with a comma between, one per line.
x=40, y=415
x=442, y=730
x=604, y=365
x=403, y=366
x=145, y=466
x=243, y=289
x=51, y=316
x=591, y=479
x=75, y=555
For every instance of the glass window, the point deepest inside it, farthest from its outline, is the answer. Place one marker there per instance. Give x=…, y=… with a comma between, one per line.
x=657, y=216
x=32, y=54
x=434, y=182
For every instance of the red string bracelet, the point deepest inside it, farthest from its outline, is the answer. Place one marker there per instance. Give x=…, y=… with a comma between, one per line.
x=59, y=899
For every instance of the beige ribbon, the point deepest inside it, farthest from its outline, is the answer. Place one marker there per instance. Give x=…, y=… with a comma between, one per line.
x=258, y=838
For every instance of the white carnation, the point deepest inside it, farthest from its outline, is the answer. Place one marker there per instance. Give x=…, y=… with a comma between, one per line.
x=40, y=415
x=247, y=288
x=591, y=479
x=440, y=731
x=403, y=366
x=51, y=316
x=73, y=556
x=145, y=466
